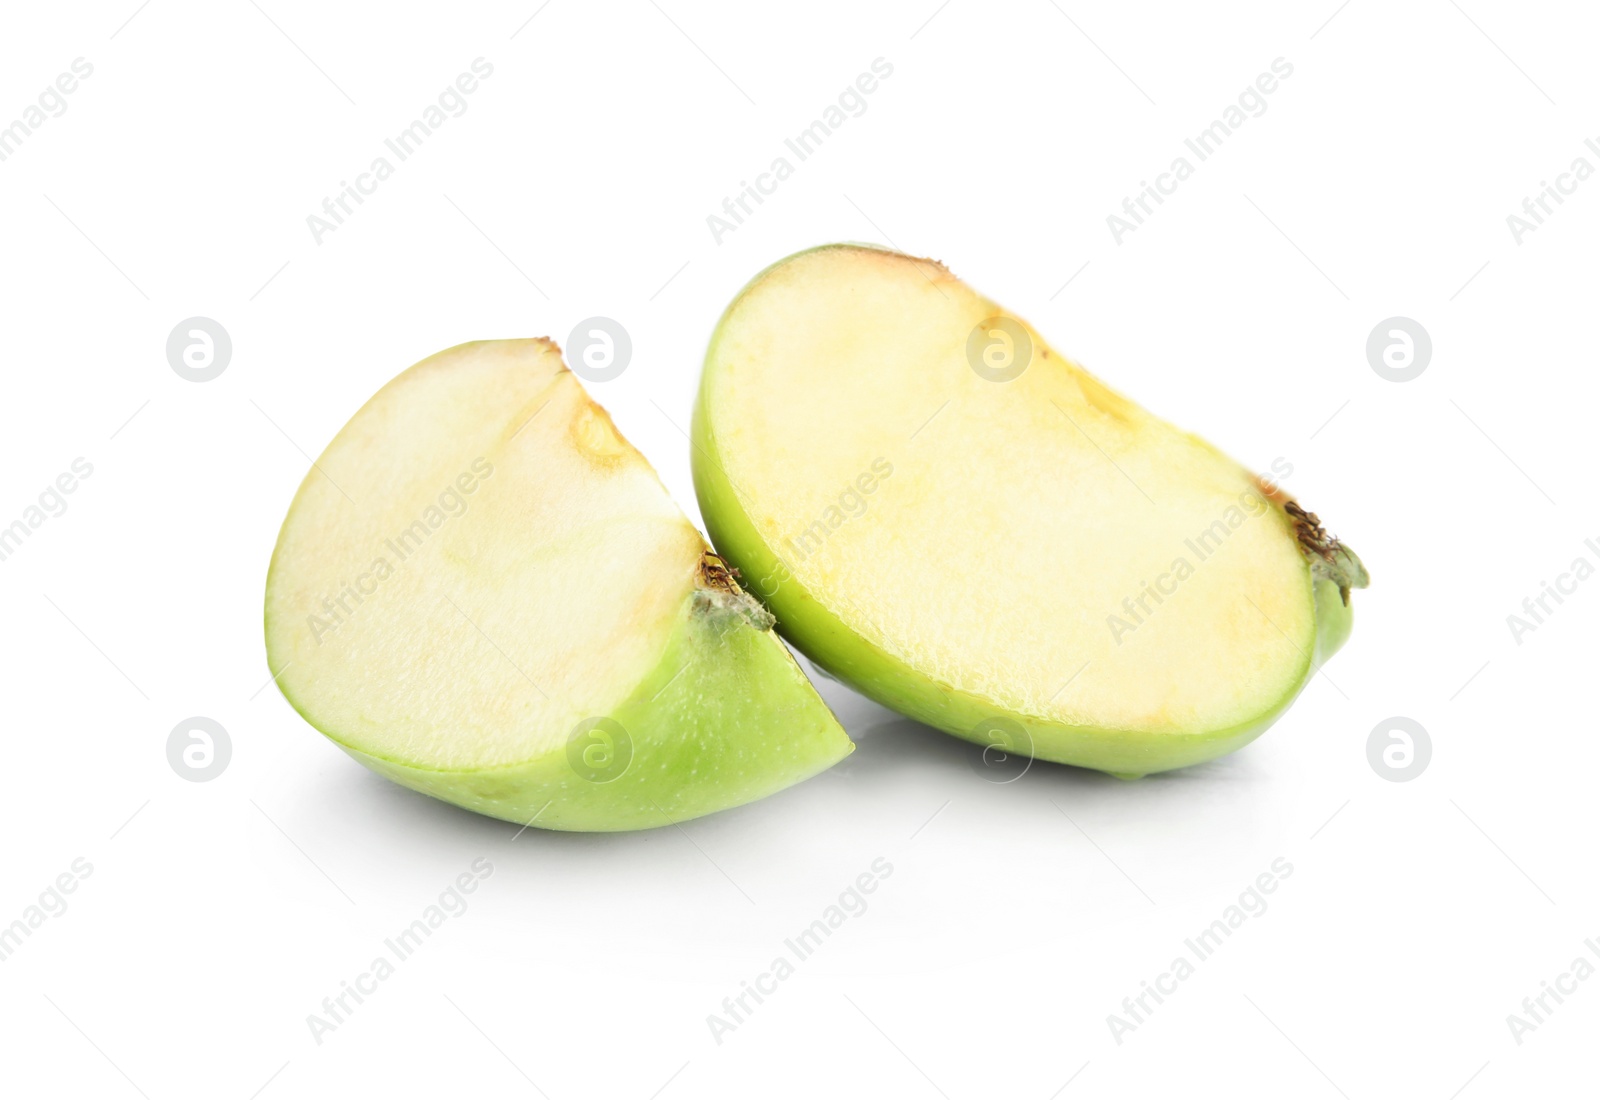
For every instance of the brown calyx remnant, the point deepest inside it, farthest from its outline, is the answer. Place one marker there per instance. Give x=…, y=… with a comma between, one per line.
x=715, y=572
x=719, y=597
x=1330, y=558
x=1309, y=531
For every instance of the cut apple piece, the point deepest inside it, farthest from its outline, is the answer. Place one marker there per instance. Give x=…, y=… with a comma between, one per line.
x=967, y=527
x=483, y=592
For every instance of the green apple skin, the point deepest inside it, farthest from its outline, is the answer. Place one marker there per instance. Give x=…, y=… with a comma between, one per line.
x=687, y=723
x=842, y=653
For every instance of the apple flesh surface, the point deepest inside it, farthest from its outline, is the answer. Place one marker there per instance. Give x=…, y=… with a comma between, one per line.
x=483, y=592
x=1005, y=549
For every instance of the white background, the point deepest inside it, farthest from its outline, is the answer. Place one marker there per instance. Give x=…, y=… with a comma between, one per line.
x=219, y=915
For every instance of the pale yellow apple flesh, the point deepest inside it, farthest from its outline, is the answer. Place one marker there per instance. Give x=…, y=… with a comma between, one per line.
x=1038, y=549
x=483, y=591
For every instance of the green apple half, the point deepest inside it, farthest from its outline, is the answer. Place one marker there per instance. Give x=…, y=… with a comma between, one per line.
x=483, y=592
x=967, y=527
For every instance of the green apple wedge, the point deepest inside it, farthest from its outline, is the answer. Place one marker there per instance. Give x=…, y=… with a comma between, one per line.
x=967, y=527
x=483, y=592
